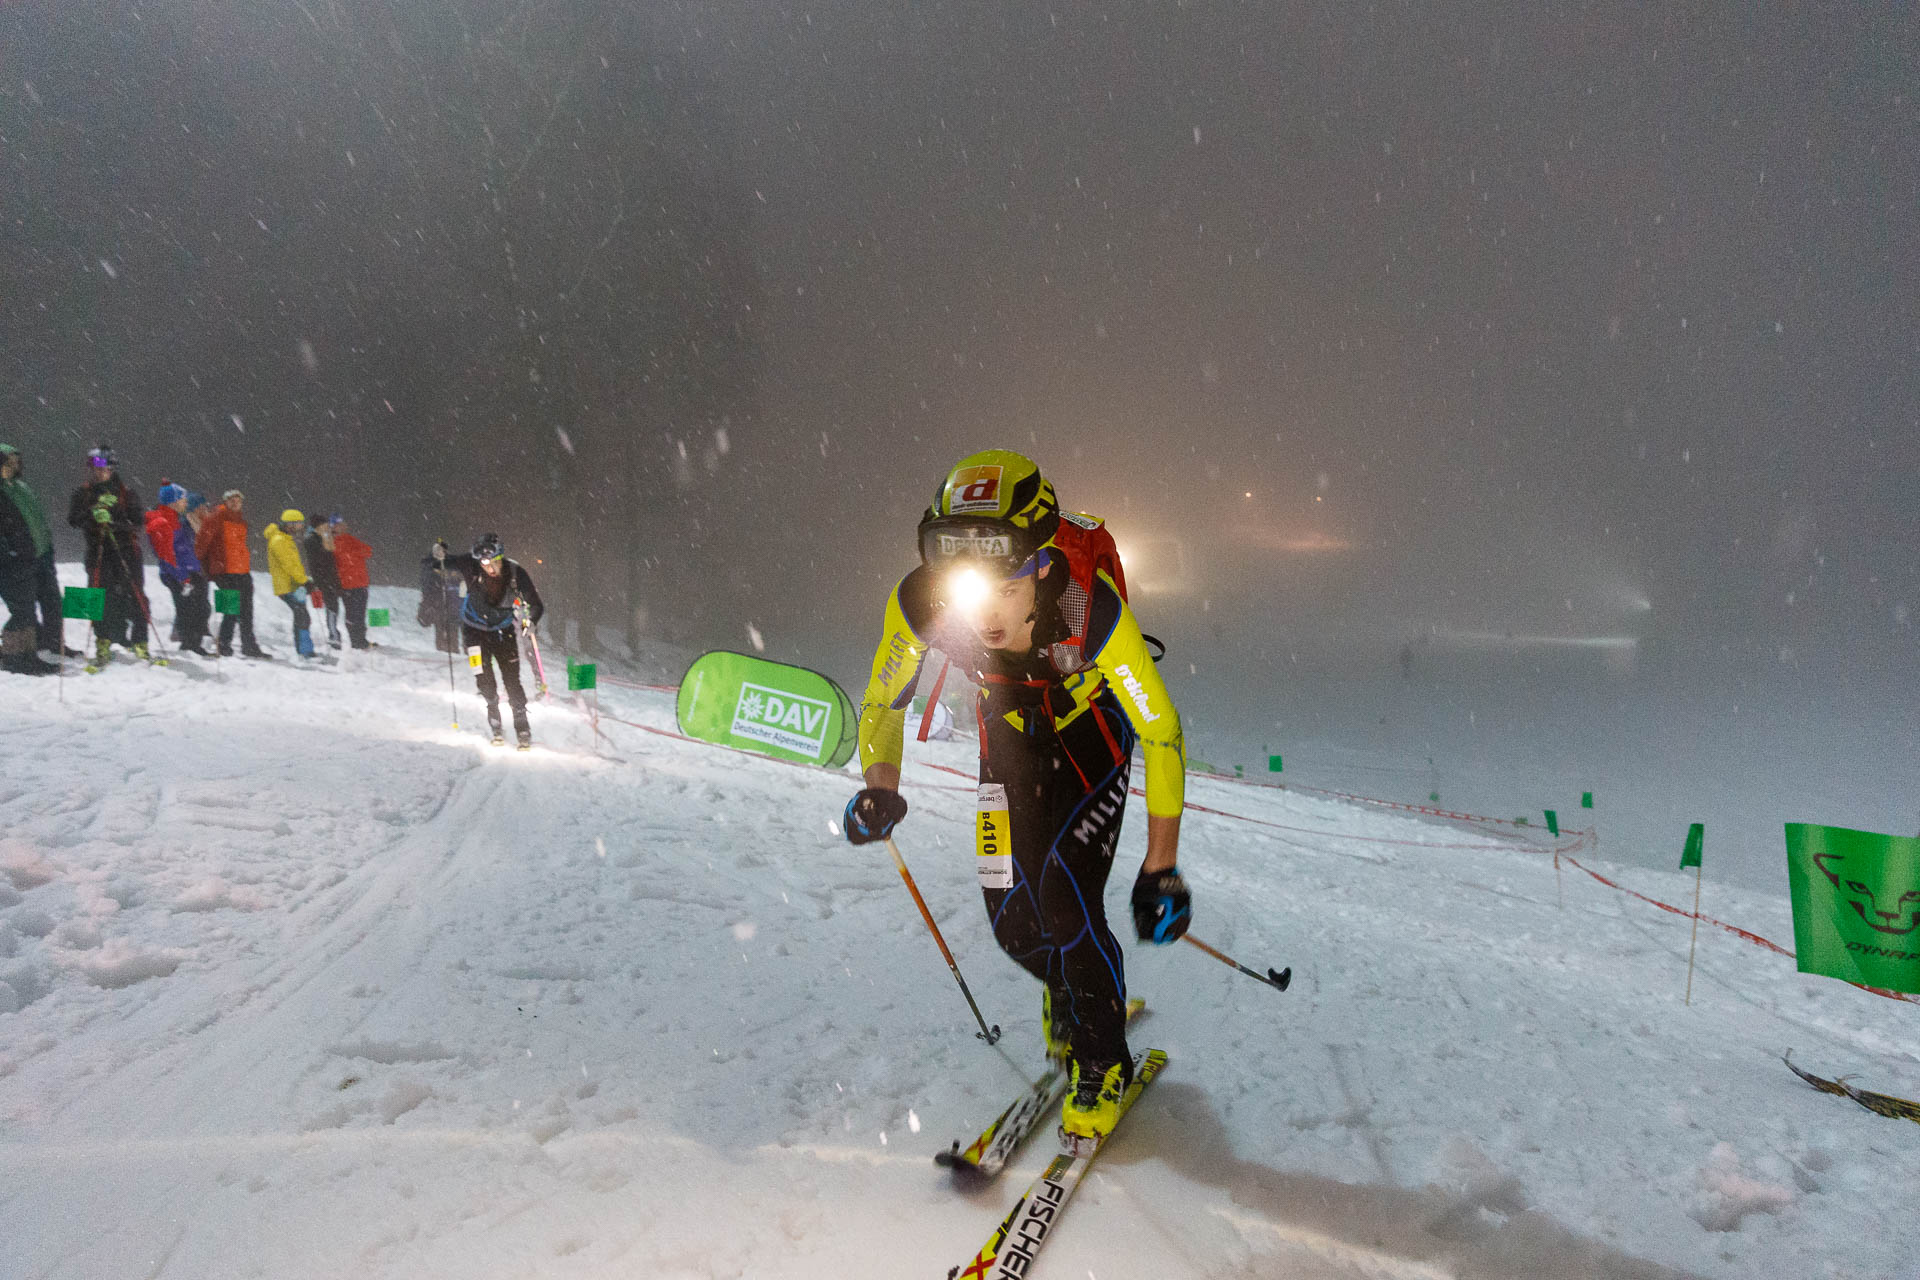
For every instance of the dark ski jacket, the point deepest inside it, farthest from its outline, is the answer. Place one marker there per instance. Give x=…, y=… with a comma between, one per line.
x=19, y=547
x=489, y=603
x=128, y=522
x=439, y=593
x=320, y=564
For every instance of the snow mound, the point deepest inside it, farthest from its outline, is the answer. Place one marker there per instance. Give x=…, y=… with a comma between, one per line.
x=1727, y=1194
x=214, y=893
x=120, y=963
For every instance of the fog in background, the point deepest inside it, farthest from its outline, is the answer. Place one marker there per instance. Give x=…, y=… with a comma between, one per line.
x=1497, y=401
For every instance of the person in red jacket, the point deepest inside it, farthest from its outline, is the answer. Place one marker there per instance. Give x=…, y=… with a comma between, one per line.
x=172, y=539
x=350, y=556
x=222, y=548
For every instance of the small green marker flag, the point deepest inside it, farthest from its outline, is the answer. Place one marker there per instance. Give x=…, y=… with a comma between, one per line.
x=379, y=618
x=1586, y=799
x=582, y=675
x=1856, y=905
x=1690, y=857
x=1553, y=821
x=84, y=602
x=1274, y=764
x=226, y=600
x=1239, y=771
x=1696, y=841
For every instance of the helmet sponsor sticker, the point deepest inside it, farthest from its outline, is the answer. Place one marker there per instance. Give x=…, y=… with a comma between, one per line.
x=781, y=719
x=993, y=838
x=1085, y=522
x=975, y=544
x=975, y=489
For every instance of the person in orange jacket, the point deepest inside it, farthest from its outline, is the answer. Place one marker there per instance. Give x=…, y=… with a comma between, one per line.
x=222, y=547
x=350, y=556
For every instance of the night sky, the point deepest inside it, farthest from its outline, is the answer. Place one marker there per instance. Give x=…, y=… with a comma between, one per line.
x=1372, y=328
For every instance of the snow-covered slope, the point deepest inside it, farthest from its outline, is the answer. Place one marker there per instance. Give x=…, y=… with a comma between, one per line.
x=300, y=981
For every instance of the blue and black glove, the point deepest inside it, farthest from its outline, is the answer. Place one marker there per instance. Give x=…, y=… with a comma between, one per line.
x=873, y=814
x=1162, y=907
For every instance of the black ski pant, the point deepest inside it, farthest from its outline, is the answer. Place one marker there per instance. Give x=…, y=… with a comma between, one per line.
x=243, y=583
x=500, y=649
x=1051, y=801
x=191, y=610
x=330, y=602
x=16, y=589
x=117, y=574
x=46, y=591
x=354, y=601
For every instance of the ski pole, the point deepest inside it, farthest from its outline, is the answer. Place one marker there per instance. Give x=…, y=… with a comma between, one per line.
x=453, y=693
x=1275, y=978
x=139, y=590
x=989, y=1035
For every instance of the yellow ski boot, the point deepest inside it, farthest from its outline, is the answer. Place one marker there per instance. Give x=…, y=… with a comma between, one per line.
x=1092, y=1106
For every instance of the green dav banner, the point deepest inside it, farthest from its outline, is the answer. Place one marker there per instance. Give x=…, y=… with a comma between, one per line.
x=582, y=675
x=84, y=602
x=1856, y=905
x=379, y=618
x=789, y=713
x=226, y=600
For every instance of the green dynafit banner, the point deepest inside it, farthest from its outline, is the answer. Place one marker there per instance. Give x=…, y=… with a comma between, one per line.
x=1856, y=905
x=582, y=675
x=379, y=618
x=789, y=713
x=84, y=602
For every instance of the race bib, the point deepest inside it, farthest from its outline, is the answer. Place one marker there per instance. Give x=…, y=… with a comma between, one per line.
x=474, y=659
x=993, y=838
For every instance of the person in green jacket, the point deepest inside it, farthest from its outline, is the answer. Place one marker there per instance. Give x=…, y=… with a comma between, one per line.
x=26, y=546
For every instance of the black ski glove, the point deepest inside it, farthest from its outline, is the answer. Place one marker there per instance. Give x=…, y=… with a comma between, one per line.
x=873, y=814
x=1162, y=907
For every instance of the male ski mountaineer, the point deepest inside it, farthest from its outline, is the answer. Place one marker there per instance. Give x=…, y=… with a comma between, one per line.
x=1029, y=604
x=110, y=515
x=488, y=618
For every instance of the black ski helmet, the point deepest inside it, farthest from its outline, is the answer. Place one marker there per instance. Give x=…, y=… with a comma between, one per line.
x=488, y=548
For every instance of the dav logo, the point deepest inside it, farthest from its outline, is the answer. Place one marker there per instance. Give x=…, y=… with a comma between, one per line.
x=975, y=489
x=781, y=719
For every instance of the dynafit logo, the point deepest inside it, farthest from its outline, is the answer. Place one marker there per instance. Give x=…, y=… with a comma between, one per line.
x=975, y=489
x=1883, y=909
x=781, y=719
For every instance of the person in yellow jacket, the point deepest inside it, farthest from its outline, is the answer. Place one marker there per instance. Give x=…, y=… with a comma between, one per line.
x=290, y=581
x=1067, y=690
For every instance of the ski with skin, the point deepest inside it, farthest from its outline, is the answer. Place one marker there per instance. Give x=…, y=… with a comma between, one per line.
x=983, y=1159
x=1879, y=1103
x=1009, y=1252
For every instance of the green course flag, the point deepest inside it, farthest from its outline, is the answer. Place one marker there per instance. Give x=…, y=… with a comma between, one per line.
x=1856, y=905
x=786, y=712
x=1553, y=821
x=379, y=618
x=1586, y=799
x=1274, y=764
x=84, y=602
x=1696, y=841
x=582, y=675
x=226, y=600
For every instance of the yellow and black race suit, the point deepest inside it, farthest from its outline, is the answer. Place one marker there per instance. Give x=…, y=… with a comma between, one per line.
x=1056, y=758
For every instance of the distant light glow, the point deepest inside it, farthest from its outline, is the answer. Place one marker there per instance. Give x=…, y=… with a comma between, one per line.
x=1513, y=640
